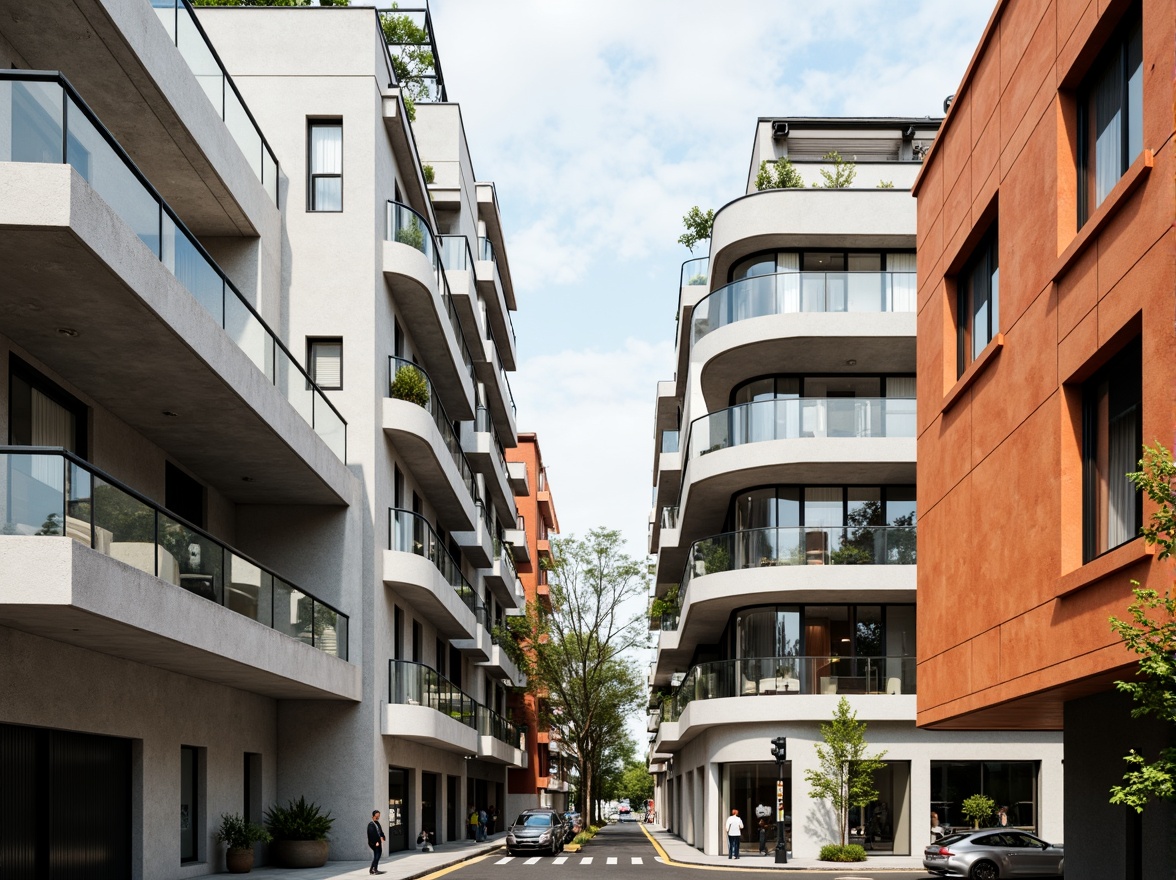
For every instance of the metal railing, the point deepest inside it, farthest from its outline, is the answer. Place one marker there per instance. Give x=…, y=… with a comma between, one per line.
x=432, y=82
x=409, y=532
x=770, y=676
x=436, y=409
x=799, y=417
x=197, y=50
x=406, y=226
x=50, y=123
x=414, y=684
x=791, y=292
x=52, y=492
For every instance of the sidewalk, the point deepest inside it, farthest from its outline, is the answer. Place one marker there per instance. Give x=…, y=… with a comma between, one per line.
x=677, y=850
x=397, y=866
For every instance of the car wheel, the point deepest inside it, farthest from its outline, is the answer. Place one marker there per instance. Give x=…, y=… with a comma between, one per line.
x=984, y=870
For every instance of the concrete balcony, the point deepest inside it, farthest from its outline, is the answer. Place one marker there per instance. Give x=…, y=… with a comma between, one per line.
x=419, y=567
x=458, y=262
x=503, y=580
x=481, y=646
x=500, y=666
x=426, y=725
x=497, y=312
x=485, y=453
x=517, y=539
x=499, y=398
x=416, y=279
x=517, y=475
x=201, y=354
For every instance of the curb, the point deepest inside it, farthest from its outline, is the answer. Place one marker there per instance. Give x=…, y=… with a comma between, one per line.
x=471, y=857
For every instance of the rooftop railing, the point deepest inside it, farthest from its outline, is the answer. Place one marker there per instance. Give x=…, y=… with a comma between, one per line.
x=196, y=49
x=50, y=123
x=52, y=492
x=791, y=292
x=436, y=409
x=406, y=226
x=800, y=417
x=409, y=532
x=430, y=83
x=414, y=684
x=772, y=676
x=694, y=272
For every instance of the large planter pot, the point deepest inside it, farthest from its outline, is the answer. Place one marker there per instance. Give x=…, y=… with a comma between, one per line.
x=299, y=853
x=239, y=861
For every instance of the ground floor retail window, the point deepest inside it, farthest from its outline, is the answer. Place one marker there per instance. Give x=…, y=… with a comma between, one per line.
x=1011, y=784
x=751, y=789
x=883, y=825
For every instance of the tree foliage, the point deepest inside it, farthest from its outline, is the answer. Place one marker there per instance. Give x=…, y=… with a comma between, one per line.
x=842, y=174
x=1151, y=633
x=845, y=773
x=635, y=783
x=576, y=658
x=978, y=808
x=411, y=52
x=781, y=174
x=698, y=227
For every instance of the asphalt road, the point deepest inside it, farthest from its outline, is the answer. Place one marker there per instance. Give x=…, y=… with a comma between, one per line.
x=622, y=852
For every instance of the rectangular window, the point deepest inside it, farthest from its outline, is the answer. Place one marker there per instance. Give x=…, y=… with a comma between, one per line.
x=1110, y=118
x=1112, y=440
x=189, y=802
x=324, y=362
x=978, y=306
x=325, y=165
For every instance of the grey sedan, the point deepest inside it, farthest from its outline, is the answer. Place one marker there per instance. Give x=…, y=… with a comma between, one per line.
x=991, y=853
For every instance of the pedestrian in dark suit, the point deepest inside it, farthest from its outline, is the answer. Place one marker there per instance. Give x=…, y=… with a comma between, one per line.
x=375, y=842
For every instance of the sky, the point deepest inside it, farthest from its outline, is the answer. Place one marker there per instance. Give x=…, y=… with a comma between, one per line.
x=601, y=124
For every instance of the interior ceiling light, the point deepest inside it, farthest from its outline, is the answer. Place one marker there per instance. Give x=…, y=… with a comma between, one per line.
x=68, y=331
x=851, y=362
x=170, y=414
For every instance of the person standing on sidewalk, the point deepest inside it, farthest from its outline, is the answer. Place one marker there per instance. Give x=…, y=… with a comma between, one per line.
x=734, y=832
x=376, y=838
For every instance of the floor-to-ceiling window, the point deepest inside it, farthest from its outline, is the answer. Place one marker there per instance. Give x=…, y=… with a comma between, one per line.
x=751, y=789
x=1011, y=784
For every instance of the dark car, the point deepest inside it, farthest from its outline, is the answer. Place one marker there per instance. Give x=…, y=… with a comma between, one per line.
x=992, y=853
x=537, y=831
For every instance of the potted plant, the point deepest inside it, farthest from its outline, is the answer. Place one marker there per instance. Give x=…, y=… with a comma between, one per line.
x=239, y=836
x=978, y=808
x=300, y=832
x=410, y=384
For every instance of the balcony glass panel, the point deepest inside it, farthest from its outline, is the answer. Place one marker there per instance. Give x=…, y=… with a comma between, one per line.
x=773, y=676
x=455, y=252
x=694, y=272
x=196, y=49
x=53, y=492
x=409, y=532
x=415, y=684
x=795, y=418
x=669, y=441
x=33, y=108
x=790, y=292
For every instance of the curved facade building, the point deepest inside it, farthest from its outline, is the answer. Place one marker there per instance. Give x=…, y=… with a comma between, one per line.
x=785, y=533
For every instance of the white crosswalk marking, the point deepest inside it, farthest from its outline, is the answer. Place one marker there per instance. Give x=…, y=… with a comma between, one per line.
x=534, y=860
x=505, y=860
x=612, y=860
x=587, y=860
x=637, y=860
x=560, y=860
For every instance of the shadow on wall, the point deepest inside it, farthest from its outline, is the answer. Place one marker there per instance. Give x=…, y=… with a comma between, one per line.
x=820, y=825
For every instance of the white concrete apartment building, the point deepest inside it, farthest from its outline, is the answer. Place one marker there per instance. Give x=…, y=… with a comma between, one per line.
x=238, y=566
x=785, y=515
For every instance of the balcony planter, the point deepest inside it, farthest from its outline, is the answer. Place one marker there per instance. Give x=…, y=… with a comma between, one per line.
x=300, y=834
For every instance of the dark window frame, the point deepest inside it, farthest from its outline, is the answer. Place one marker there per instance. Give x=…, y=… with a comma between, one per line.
x=983, y=264
x=311, y=363
x=312, y=176
x=800, y=252
x=34, y=378
x=801, y=377
x=1116, y=52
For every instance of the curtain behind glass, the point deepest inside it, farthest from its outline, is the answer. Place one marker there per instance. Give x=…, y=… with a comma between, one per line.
x=903, y=287
x=1107, y=100
x=1122, y=458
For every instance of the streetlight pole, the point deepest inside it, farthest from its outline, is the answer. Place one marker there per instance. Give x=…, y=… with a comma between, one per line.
x=780, y=753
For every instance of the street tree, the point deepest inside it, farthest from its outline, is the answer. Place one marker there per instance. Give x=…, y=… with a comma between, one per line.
x=577, y=658
x=845, y=775
x=1151, y=633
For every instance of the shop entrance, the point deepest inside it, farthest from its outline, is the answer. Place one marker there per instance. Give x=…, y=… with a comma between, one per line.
x=398, y=780
x=751, y=789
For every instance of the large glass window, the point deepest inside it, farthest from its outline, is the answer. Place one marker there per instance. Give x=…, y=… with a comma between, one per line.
x=978, y=308
x=1011, y=784
x=325, y=165
x=1110, y=118
x=751, y=789
x=1112, y=510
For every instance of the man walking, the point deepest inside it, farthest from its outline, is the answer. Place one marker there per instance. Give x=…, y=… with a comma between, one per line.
x=375, y=842
x=734, y=832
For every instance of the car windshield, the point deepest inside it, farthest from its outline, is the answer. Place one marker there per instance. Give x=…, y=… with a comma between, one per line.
x=534, y=820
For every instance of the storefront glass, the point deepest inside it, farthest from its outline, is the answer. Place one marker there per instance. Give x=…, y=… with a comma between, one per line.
x=751, y=789
x=1011, y=784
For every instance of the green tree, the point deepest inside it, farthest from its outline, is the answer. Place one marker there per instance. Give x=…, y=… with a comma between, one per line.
x=698, y=227
x=1153, y=638
x=411, y=52
x=635, y=783
x=575, y=658
x=842, y=174
x=978, y=808
x=845, y=775
x=781, y=174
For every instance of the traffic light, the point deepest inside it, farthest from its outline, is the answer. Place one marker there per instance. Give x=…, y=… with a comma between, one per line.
x=780, y=749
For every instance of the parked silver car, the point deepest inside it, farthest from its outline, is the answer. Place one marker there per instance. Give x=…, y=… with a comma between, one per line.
x=537, y=831
x=992, y=853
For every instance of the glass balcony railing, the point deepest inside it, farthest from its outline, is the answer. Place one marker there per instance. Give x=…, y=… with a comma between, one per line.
x=694, y=272
x=455, y=253
x=669, y=517
x=52, y=492
x=799, y=417
x=484, y=424
x=486, y=252
x=504, y=555
x=414, y=684
x=185, y=31
x=46, y=121
x=434, y=407
x=669, y=441
x=770, y=676
x=502, y=377
x=410, y=532
x=770, y=547
x=406, y=226
x=790, y=292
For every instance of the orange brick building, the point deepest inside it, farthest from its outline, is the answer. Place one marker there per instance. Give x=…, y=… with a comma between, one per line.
x=543, y=782
x=1045, y=360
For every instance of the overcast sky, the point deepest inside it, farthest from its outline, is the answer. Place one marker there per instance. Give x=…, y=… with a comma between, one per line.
x=602, y=123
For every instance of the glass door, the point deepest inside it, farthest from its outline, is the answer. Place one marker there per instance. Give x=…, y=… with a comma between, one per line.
x=397, y=818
